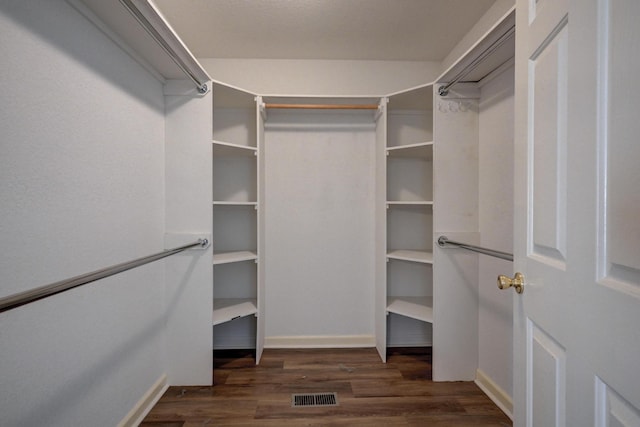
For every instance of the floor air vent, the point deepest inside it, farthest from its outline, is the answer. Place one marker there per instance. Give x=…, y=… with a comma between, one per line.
x=314, y=399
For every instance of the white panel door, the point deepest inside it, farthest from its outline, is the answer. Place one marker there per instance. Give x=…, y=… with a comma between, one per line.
x=577, y=214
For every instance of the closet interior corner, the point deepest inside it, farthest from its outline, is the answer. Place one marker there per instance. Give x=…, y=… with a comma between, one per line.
x=326, y=210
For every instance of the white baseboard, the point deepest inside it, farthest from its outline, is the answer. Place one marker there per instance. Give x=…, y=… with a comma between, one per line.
x=322, y=341
x=495, y=393
x=145, y=404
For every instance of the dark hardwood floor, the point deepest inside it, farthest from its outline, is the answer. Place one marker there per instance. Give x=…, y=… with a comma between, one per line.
x=370, y=393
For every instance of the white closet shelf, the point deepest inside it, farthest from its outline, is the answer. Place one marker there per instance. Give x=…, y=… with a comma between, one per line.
x=229, y=149
x=411, y=255
x=227, y=309
x=229, y=257
x=226, y=203
x=419, y=308
x=422, y=150
x=410, y=203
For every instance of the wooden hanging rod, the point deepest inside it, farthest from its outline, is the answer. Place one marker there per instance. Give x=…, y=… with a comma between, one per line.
x=324, y=106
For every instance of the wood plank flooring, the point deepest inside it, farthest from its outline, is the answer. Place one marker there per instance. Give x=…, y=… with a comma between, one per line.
x=370, y=393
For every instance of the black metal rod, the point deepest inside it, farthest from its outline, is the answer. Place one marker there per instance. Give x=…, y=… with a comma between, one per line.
x=443, y=241
x=26, y=297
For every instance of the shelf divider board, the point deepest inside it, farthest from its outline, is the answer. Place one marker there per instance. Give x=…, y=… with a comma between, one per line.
x=411, y=202
x=418, y=150
x=237, y=256
x=227, y=203
x=227, y=309
x=423, y=257
x=229, y=149
x=419, y=308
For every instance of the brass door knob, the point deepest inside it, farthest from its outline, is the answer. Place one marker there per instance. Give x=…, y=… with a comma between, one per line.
x=517, y=282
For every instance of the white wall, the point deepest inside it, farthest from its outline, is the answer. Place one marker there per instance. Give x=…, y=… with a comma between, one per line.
x=189, y=275
x=319, y=255
x=496, y=227
x=321, y=77
x=81, y=184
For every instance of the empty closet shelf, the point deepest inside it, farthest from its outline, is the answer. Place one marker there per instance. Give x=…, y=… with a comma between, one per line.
x=227, y=309
x=225, y=203
x=422, y=150
x=229, y=149
x=411, y=255
x=229, y=257
x=419, y=308
x=410, y=203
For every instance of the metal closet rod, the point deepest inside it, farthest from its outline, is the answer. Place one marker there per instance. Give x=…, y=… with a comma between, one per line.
x=23, y=298
x=324, y=106
x=153, y=23
x=444, y=90
x=443, y=241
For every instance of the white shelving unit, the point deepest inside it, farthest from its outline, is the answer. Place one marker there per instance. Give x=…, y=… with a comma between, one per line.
x=236, y=213
x=409, y=217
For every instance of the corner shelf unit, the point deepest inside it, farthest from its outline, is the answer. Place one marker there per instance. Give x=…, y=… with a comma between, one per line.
x=408, y=173
x=236, y=216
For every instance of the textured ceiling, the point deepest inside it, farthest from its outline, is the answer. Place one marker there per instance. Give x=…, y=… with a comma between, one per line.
x=409, y=30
